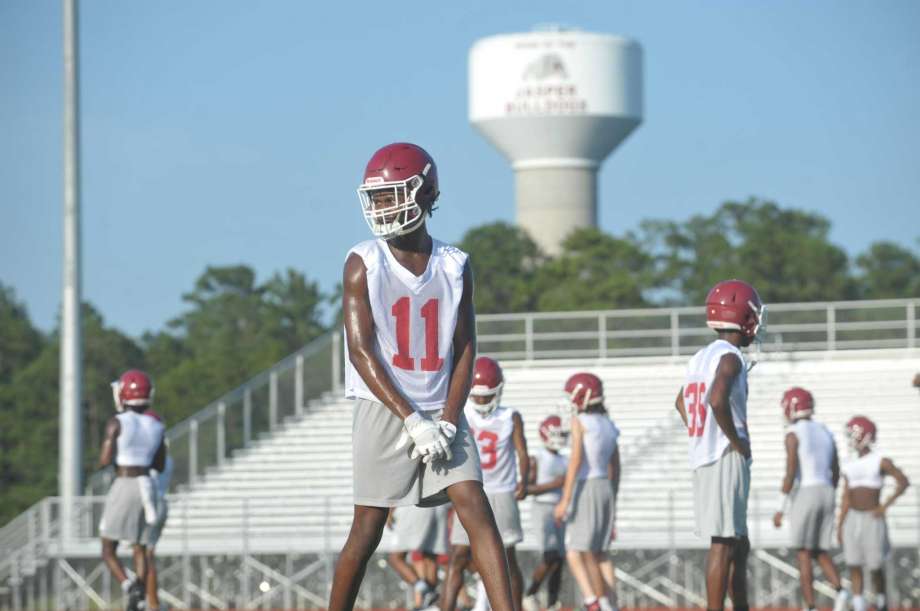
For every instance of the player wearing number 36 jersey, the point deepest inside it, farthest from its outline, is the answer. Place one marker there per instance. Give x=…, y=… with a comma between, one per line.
x=407, y=305
x=713, y=405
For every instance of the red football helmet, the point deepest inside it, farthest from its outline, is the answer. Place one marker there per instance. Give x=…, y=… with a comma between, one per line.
x=400, y=185
x=553, y=434
x=584, y=390
x=797, y=403
x=735, y=305
x=132, y=388
x=488, y=381
x=861, y=431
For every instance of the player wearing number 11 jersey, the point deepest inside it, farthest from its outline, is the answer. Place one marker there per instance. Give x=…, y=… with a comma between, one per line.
x=407, y=305
x=713, y=406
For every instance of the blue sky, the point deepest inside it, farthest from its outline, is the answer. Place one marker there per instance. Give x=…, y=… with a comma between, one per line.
x=236, y=132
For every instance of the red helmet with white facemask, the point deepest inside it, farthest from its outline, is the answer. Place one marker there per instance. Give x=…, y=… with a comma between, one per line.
x=797, y=403
x=861, y=432
x=584, y=390
x=488, y=381
x=552, y=433
x=133, y=388
x=399, y=188
x=734, y=305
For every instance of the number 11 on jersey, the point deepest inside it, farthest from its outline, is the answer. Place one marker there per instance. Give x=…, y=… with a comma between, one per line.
x=402, y=311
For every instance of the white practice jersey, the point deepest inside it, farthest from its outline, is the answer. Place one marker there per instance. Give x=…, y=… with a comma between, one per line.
x=550, y=465
x=599, y=442
x=496, y=447
x=864, y=471
x=139, y=439
x=707, y=440
x=414, y=319
x=816, y=453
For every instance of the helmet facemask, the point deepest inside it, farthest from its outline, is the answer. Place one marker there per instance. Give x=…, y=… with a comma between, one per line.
x=391, y=208
x=486, y=409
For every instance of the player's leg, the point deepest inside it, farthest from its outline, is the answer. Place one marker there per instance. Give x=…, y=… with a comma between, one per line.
x=548, y=562
x=878, y=585
x=453, y=579
x=806, y=578
x=737, y=575
x=140, y=561
x=610, y=580
x=829, y=569
x=717, y=564
x=366, y=529
x=407, y=572
x=554, y=583
x=110, y=557
x=151, y=582
x=517, y=580
x=856, y=582
x=488, y=551
x=580, y=573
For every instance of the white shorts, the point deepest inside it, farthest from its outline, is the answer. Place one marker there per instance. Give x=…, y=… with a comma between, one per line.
x=720, y=496
x=418, y=529
x=549, y=535
x=811, y=518
x=123, y=514
x=865, y=540
x=387, y=477
x=591, y=523
x=507, y=518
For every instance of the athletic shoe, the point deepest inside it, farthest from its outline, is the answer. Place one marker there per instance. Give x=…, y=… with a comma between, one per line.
x=429, y=598
x=135, y=596
x=530, y=603
x=842, y=600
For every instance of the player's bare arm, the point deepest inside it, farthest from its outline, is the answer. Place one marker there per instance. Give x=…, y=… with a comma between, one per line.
x=844, y=508
x=571, y=474
x=534, y=488
x=901, y=483
x=107, y=452
x=159, y=459
x=613, y=470
x=792, y=465
x=726, y=374
x=681, y=408
x=359, y=333
x=464, y=348
x=520, y=448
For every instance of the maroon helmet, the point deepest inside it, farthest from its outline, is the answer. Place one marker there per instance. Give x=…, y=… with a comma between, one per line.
x=584, y=390
x=133, y=388
x=552, y=433
x=400, y=185
x=734, y=305
x=488, y=381
x=861, y=432
x=797, y=403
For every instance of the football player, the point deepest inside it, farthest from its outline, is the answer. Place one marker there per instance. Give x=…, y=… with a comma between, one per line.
x=134, y=443
x=588, y=501
x=811, y=462
x=407, y=305
x=547, y=475
x=861, y=527
x=153, y=531
x=713, y=406
x=416, y=529
x=499, y=435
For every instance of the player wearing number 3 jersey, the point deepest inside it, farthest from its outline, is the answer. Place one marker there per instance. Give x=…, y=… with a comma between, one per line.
x=407, y=305
x=713, y=406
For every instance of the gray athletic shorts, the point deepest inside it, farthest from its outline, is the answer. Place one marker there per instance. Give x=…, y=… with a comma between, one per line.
x=387, y=477
x=550, y=536
x=151, y=534
x=720, y=496
x=507, y=518
x=865, y=540
x=417, y=528
x=591, y=521
x=811, y=518
x=123, y=514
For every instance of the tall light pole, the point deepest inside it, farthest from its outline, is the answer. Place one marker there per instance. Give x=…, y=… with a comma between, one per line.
x=71, y=434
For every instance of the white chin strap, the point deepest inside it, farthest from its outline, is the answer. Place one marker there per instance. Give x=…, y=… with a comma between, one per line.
x=483, y=391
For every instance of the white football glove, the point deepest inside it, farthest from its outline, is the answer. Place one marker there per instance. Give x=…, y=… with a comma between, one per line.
x=429, y=442
x=449, y=431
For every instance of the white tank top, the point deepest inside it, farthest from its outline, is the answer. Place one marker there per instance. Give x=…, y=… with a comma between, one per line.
x=496, y=448
x=599, y=443
x=816, y=453
x=138, y=441
x=864, y=472
x=707, y=441
x=550, y=466
x=414, y=319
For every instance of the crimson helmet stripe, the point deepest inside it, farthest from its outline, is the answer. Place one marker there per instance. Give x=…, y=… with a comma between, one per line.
x=797, y=403
x=734, y=305
x=584, y=390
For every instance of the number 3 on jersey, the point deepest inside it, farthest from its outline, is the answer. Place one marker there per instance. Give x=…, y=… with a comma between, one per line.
x=402, y=312
x=695, y=398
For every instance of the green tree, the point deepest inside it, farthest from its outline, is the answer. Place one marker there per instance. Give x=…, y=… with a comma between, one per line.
x=595, y=271
x=888, y=270
x=20, y=342
x=505, y=261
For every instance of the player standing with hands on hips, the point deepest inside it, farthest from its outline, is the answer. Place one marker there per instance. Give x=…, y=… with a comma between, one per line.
x=713, y=406
x=410, y=339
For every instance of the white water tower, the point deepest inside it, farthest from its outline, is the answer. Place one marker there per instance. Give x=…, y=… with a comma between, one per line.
x=555, y=103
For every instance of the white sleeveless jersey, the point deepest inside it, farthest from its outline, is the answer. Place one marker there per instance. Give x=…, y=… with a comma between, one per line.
x=816, y=453
x=496, y=448
x=599, y=443
x=550, y=466
x=864, y=472
x=707, y=441
x=138, y=441
x=414, y=319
